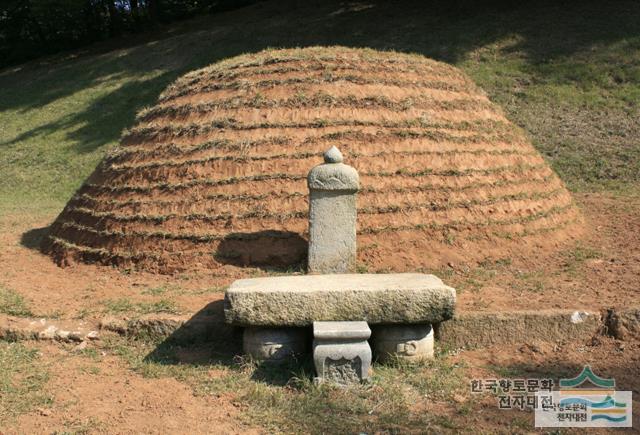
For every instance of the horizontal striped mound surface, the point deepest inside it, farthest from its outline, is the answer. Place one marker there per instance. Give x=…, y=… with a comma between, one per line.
x=213, y=176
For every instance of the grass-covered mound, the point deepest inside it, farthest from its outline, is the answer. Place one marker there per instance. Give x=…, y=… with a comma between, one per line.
x=215, y=172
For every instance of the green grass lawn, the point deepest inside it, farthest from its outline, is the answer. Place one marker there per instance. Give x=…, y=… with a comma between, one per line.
x=569, y=74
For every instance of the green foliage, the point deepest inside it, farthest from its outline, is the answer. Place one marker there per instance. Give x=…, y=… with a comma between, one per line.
x=32, y=28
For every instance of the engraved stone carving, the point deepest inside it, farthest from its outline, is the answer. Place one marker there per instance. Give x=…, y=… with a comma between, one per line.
x=343, y=371
x=410, y=342
x=341, y=353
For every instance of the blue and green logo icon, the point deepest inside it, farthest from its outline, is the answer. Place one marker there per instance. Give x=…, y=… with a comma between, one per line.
x=595, y=393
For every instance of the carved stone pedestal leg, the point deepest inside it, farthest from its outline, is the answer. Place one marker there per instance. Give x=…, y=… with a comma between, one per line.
x=408, y=342
x=341, y=353
x=274, y=344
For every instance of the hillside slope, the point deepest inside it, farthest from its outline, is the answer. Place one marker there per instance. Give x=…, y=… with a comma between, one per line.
x=569, y=74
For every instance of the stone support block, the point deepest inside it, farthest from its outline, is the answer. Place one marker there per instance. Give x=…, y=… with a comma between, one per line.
x=407, y=342
x=275, y=344
x=341, y=353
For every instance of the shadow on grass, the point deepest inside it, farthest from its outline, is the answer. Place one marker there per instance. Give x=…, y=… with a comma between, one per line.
x=33, y=238
x=206, y=339
x=104, y=119
x=299, y=370
x=203, y=339
x=542, y=32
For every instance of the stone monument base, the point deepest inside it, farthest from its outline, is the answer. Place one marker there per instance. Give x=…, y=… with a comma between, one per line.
x=341, y=353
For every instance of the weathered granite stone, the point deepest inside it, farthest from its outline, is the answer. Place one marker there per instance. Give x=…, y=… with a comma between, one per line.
x=375, y=298
x=333, y=177
x=473, y=330
x=274, y=344
x=407, y=342
x=341, y=353
x=23, y=328
x=48, y=333
x=624, y=323
x=332, y=215
x=333, y=155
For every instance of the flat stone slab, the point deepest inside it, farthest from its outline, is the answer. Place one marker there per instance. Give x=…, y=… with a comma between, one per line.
x=374, y=298
x=22, y=328
x=484, y=329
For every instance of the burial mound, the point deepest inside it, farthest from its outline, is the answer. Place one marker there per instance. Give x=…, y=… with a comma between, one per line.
x=215, y=173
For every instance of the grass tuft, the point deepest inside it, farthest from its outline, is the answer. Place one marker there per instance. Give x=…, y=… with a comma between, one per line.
x=13, y=304
x=22, y=381
x=124, y=305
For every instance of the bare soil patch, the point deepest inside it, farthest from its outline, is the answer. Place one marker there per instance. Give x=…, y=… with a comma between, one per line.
x=96, y=392
x=607, y=357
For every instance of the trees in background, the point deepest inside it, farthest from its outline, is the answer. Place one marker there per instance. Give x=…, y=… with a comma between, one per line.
x=32, y=28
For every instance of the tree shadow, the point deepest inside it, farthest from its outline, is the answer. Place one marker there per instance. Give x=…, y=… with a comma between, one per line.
x=104, y=119
x=275, y=250
x=541, y=32
x=205, y=339
x=32, y=239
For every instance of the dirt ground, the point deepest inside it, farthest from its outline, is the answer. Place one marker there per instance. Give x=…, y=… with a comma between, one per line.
x=104, y=395
x=107, y=397
x=607, y=357
x=601, y=270
x=91, y=395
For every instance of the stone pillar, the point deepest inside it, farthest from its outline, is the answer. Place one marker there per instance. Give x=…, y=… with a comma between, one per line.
x=332, y=215
x=407, y=342
x=341, y=353
x=274, y=345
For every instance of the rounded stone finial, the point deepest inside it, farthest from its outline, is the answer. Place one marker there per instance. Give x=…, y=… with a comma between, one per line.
x=333, y=174
x=333, y=155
